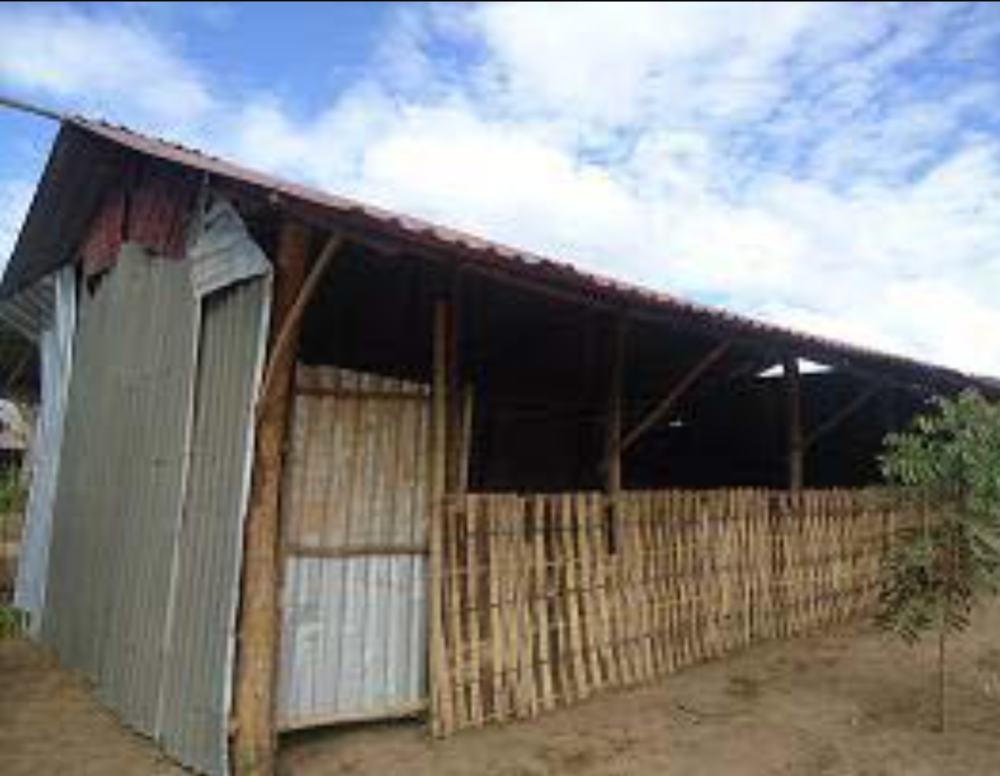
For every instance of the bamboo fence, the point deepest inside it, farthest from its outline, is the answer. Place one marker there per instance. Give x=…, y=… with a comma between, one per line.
x=545, y=600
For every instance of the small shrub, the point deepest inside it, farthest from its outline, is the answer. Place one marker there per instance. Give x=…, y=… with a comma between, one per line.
x=13, y=493
x=12, y=622
x=949, y=462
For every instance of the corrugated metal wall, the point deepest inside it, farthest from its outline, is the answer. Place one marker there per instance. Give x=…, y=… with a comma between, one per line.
x=195, y=701
x=56, y=347
x=147, y=537
x=354, y=638
x=119, y=495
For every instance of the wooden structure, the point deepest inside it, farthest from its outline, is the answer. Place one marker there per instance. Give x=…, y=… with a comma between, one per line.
x=255, y=738
x=479, y=484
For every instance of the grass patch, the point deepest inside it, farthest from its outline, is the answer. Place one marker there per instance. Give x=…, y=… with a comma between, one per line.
x=12, y=622
x=13, y=493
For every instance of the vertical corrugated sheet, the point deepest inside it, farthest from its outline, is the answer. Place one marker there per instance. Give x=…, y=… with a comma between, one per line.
x=224, y=254
x=354, y=638
x=195, y=703
x=56, y=347
x=120, y=486
x=147, y=535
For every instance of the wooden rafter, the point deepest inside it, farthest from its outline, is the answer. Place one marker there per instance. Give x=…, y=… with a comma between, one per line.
x=661, y=410
x=288, y=327
x=442, y=712
x=841, y=415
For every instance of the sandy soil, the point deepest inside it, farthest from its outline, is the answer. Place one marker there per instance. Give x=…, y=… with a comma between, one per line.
x=845, y=703
x=50, y=724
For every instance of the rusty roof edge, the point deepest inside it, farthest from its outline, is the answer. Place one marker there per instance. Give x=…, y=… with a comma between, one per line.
x=513, y=262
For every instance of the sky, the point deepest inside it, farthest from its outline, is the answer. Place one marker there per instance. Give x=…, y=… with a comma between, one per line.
x=832, y=167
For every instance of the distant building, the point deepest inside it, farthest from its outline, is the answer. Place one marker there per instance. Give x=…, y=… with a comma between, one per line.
x=15, y=434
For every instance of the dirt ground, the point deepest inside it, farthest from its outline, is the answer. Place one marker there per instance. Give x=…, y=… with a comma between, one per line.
x=849, y=702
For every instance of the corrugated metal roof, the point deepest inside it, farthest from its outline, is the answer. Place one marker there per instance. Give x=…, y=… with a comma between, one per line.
x=79, y=171
x=22, y=320
x=19, y=365
x=474, y=251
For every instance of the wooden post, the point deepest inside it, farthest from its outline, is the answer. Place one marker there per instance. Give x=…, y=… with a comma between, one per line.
x=255, y=737
x=454, y=394
x=442, y=716
x=796, y=448
x=613, y=437
x=613, y=428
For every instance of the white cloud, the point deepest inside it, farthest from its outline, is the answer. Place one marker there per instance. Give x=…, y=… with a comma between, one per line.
x=14, y=199
x=100, y=62
x=782, y=159
x=922, y=318
x=618, y=63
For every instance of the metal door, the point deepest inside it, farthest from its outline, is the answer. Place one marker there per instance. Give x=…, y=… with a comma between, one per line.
x=355, y=511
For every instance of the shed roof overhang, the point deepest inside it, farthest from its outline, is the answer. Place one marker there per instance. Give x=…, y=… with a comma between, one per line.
x=88, y=157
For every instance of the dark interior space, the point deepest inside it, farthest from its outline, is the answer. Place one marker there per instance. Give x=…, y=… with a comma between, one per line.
x=541, y=368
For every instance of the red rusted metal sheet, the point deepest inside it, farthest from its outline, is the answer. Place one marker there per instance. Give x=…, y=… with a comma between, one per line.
x=104, y=238
x=154, y=214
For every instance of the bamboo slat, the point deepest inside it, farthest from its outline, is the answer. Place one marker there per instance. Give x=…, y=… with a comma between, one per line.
x=549, y=598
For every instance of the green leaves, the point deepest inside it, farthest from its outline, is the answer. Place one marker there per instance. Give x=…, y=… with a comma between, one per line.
x=931, y=581
x=12, y=622
x=13, y=492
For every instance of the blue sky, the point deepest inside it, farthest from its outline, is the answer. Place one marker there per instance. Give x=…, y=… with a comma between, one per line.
x=834, y=167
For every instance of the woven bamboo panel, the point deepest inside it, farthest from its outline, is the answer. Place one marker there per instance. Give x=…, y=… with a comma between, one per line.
x=547, y=599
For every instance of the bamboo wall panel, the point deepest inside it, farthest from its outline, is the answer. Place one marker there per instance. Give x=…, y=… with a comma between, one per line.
x=547, y=599
x=358, y=470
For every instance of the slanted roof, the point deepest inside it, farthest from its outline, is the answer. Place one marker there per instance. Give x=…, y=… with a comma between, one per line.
x=88, y=156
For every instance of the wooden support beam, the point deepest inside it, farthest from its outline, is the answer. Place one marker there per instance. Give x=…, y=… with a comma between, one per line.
x=466, y=438
x=613, y=426
x=442, y=715
x=796, y=449
x=255, y=738
x=840, y=416
x=355, y=551
x=455, y=393
x=287, y=333
x=912, y=379
x=662, y=410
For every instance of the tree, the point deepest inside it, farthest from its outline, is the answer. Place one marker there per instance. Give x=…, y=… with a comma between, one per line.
x=948, y=464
